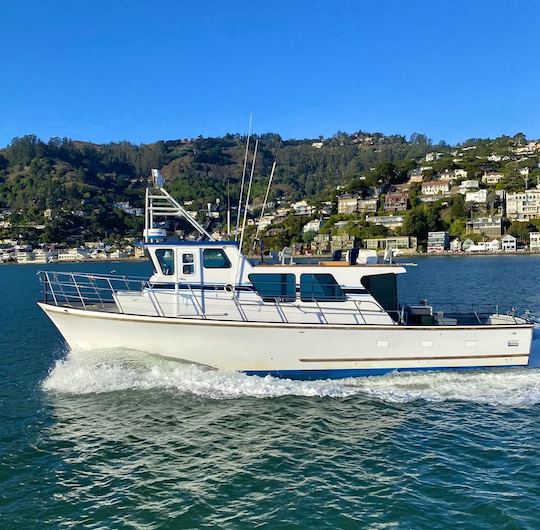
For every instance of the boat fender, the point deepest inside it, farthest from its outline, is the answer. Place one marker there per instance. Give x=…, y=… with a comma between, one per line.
x=230, y=289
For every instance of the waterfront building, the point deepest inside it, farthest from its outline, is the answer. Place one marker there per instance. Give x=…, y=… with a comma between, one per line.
x=523, y=206
x=534, y=241
x=321, y=244
x=72, y=254
x=485, y=246
x=489, y=226
x=403, y=243
x=479, y=196
x=396, y=201
x=438, y=241
x=138, y=252
x=118, y=254
x=455, y=245
x=388, y=221
x=44, y=255
x=467, y=243
x=509, y=243
x=342, y=242
x=435, y=187
x=24, y=256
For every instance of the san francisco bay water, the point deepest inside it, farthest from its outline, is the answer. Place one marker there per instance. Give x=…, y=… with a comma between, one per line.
x=121, y=439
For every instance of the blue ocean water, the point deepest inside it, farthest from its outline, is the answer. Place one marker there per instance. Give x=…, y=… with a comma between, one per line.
x=121, y=439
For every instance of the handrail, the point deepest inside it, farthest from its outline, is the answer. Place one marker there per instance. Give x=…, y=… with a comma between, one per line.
x=92, y=291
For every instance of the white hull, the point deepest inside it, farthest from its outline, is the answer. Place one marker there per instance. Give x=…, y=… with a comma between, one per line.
x=298, y=350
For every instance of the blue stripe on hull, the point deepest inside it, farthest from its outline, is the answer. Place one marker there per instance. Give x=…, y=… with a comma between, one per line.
x=310, y=375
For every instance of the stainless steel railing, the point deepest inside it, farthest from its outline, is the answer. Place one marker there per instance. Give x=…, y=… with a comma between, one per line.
x=83, y=290
x=99, y=292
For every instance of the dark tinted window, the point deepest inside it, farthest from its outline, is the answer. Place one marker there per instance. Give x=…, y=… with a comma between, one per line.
x=281, y=287
x=215, y=258
x=165, y=257
x=188, y=267
x=384, y=289
x=320, y=288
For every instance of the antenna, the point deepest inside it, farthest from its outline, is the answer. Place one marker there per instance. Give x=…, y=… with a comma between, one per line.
x=243, y=180
x=228, y=208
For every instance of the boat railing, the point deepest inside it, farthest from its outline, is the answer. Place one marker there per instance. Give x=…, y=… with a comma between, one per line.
x=99, y=292
x=87, y=291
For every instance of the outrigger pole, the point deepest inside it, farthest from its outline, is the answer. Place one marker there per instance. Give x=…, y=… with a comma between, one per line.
x=267, y=193
x=243, y=180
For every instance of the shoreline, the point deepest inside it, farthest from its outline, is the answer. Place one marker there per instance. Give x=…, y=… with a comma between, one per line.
x=300, y=257
x=56, y=262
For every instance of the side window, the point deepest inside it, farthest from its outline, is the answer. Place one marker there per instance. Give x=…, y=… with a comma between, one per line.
x=215, y=258
x=165, y=257
x=271, y=287
x=188, y=265
x=320, y=288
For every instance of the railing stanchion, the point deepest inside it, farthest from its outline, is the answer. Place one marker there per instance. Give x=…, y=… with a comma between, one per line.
x=117, y=300
x=52, y=289
x=79, y=291
x=197, y=303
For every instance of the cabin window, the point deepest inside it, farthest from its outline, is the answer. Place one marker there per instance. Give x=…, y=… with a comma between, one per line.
x=165, y=257
x=272, y=287
x=215, y=258
x=384, y=289
x=320, y=288
x=188, y=264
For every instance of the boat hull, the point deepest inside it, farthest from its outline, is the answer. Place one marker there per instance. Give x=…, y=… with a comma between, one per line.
x=300, y=351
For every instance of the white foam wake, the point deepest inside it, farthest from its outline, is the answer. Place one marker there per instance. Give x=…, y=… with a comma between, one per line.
x=109, y=371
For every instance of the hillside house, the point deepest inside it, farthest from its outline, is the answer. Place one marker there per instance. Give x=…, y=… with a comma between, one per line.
x=489, y=226
x=523, y=206
x=492, y=177
x=478, y=197
x=396, y=201
x=435, y=187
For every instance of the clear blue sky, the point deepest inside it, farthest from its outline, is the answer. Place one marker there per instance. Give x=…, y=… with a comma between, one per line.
x=145, y=70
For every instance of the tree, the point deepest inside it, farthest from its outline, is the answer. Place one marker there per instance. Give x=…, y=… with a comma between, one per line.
x=457, y=228
x=415, y=223
x=521, y=230
x=309, y=236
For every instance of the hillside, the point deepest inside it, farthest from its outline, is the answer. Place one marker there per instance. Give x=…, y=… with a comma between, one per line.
x=69, y=191
x=79, y=181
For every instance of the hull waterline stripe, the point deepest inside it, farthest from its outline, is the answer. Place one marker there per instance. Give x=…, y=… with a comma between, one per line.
x=342, y=373
x=436, y=358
